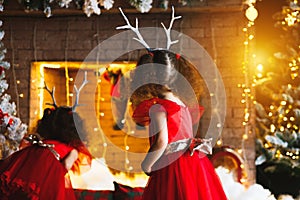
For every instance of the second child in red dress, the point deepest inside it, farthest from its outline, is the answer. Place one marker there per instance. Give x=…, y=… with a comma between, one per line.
x=39, y=169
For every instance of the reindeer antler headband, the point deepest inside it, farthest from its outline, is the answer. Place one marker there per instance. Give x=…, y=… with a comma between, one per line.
x=51, y=92
x=77, y=92
x=139, y=36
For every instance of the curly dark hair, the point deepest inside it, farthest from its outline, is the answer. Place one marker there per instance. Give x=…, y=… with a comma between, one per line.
x=160, y=71
x=63, y=125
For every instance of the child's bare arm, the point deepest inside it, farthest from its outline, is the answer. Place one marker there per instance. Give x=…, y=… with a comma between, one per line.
x=69, y=160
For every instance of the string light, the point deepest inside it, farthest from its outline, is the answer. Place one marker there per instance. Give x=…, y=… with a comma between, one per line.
x=14, y=71
x=100, y=115
x=292, y=17
x=272, y=128
x=251, y=12
x=41, y=92
x=214, y=95
x=219, y=142
x=240, y=151
x=246, y=87
x=66, y=66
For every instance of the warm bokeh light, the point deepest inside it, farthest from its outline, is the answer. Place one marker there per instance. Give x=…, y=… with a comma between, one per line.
x=260, y=67
x=251, y=13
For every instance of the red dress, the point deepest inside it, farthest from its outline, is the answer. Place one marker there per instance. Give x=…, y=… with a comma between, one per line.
x=35, y=173
x=178, y=175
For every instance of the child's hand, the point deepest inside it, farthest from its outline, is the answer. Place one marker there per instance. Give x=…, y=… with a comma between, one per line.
x=70, y=159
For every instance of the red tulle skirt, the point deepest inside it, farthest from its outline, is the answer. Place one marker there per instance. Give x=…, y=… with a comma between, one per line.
x=34, y=173
x=186, y=178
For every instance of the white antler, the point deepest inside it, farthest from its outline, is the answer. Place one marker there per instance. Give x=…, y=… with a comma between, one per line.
x=168, y=31
x=134, y=29
x=77, y=91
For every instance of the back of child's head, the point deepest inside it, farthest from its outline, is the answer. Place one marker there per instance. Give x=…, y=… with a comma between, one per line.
x=157, y=66
x=62, y=124
x=160, y=71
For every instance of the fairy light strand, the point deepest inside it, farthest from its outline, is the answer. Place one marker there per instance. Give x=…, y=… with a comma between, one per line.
x=41, y=74
x=14, y=70
x=98, y=104
x=66, y=65
x=127, y=164
x=247, y=94
x=245, y=99
x=215, y=95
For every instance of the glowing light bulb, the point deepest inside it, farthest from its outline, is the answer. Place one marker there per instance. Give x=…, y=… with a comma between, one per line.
x=281, y=128
x=283, y=103
x=270, y=114
x=272, y=128
x=260, y=67
x=251, y=13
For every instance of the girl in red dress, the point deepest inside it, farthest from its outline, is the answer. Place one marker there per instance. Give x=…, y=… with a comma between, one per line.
x=39, y=170
x=176, y=161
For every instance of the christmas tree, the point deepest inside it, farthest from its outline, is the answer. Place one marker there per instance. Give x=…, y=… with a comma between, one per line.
x=278, y=109
x=12, y=130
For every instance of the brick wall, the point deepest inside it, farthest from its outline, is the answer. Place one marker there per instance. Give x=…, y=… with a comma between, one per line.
x=32, y=38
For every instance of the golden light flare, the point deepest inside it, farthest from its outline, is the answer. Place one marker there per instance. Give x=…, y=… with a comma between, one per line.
x=251, y=13
x=219, y=142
